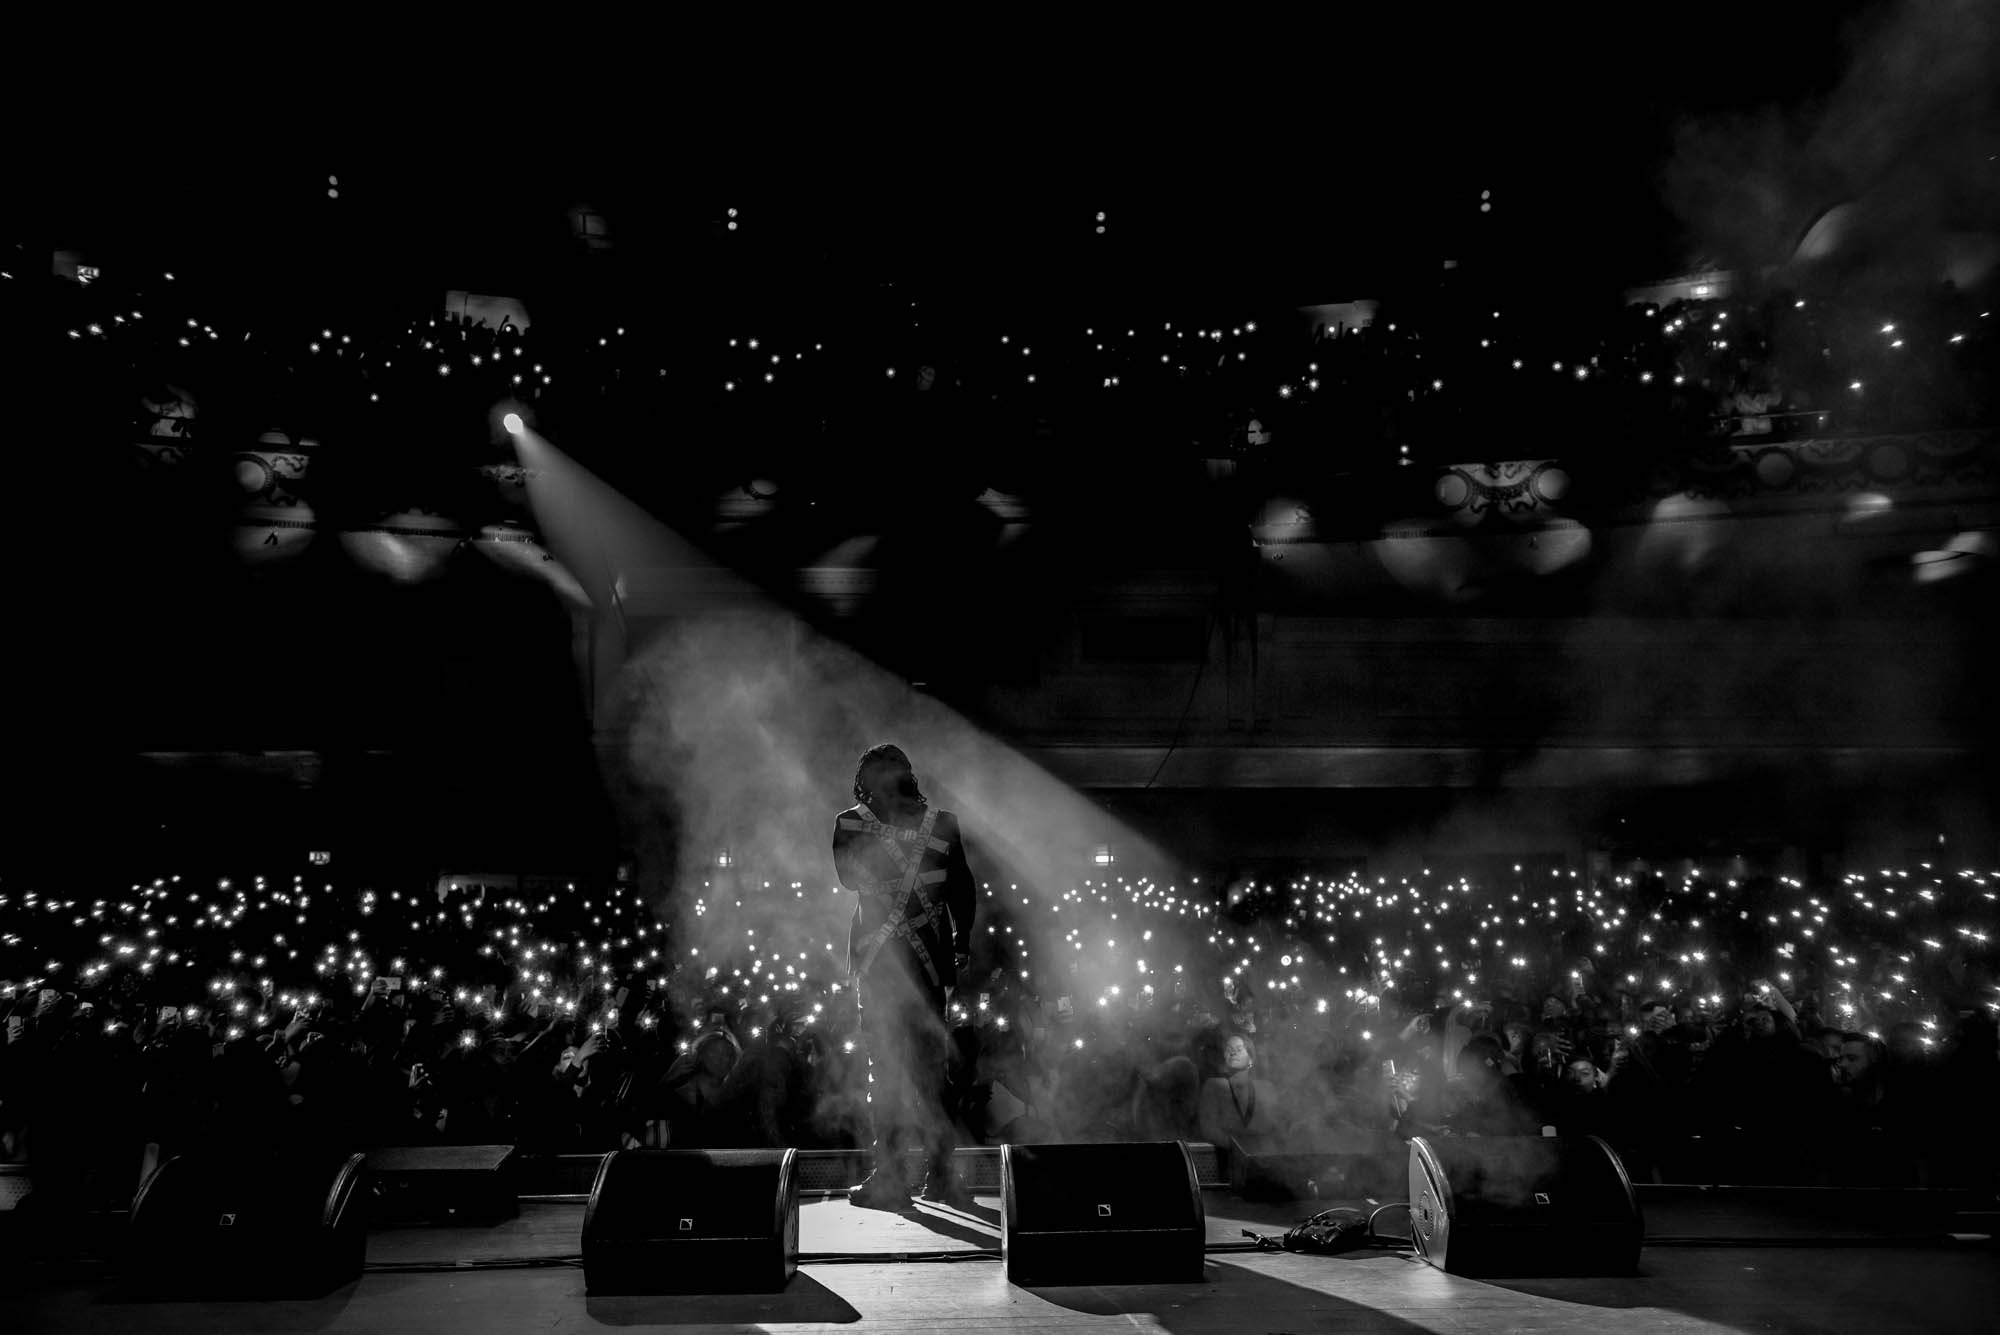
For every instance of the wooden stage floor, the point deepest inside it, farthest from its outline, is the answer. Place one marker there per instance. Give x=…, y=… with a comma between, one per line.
x=1836, y=1288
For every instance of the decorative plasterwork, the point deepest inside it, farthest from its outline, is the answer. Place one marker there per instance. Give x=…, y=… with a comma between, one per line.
x=1832, y=466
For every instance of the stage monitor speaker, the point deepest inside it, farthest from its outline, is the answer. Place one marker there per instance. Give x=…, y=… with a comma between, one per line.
x=692, y=1221
x=247, y=1225
x=1101, y=1214
x=462, y=1184
x=1523, y=1205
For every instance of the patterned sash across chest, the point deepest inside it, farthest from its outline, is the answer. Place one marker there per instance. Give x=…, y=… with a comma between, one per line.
x=913, y=908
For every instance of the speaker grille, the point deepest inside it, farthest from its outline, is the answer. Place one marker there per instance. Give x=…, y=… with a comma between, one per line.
x=265, y=1224
x=1065, y=1187
x=692, y=1221
x=687, y=1195
x=1523, y=1205
x=1101, y=1214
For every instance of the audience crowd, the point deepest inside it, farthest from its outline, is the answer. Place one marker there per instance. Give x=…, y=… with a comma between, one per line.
x=1756, y=1086
x=1406, y=382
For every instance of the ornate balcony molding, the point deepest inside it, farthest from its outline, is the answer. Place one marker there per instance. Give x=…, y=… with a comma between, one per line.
x=1832, y=466
x=1765, y=477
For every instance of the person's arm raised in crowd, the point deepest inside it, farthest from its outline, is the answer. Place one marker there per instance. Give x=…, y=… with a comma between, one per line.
x=1621, y=1056
x=587, y=1052
x=1413, y=1114
x=1775, y=999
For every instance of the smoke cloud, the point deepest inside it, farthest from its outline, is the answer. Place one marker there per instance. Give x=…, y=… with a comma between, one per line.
x=738, y=729
x=742, y=730
x=1903, y=140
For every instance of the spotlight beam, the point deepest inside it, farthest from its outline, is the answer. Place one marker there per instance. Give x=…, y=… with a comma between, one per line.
x=744, y=721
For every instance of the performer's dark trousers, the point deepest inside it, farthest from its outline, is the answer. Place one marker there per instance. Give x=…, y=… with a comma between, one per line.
x=903, y=1030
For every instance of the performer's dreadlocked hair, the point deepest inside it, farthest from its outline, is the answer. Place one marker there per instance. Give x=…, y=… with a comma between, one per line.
x=893, y=754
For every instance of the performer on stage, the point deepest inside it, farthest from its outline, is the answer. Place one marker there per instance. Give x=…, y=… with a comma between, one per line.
x=911, y=935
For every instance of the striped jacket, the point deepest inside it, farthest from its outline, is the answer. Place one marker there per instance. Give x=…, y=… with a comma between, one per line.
x=932, y=923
